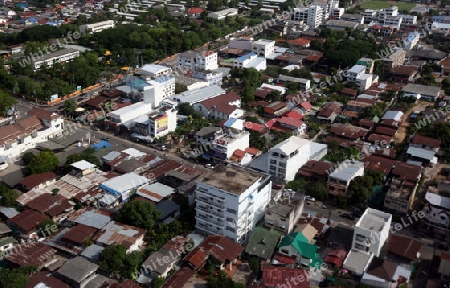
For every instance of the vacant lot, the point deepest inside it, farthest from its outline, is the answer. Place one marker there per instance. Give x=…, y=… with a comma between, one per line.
x=385, y=4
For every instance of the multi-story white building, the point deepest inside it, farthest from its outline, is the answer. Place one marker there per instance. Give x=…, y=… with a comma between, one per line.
x=327, y=7
x=364, y=81
x=186, y=60
x=230, y=201
x=355, y=72
x=409, y=19
x=40, y=126
x=59, y=56
x=250, y=60
x=394, y=21
x=212, y=77
x=154, y=70
x=206, y=60
x=263, y=47
x=339, y=179
x=369, y=15
x=336, y=13
x=128, y=113
x=96, y=27
x=157, y=124
x=411, y=41
x=158, y=89
x=222, y=14
x=391, y=11
x=437, y=209
x=229, y=141
x=371, y=232
x=312, y=16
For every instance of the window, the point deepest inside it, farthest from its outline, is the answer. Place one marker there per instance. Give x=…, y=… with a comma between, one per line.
x=360, y=247
x=229, y=220
x=281, y=170
x=284, y=251
x=232, y=211
x=270, y=223
x=273, y=167
x=273, y=161
x=230, y=229
x=283, y=219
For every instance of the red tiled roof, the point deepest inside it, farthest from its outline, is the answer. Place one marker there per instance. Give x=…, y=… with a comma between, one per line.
x=336, y=257
x=262, y=92
x=366, y=123
x=404, y=70
x=349, y=91
x=283, y=259
x=96, y=101
x=299, y=42
x=28, y=220
x=383, y=269
x=293, y=114
x=195, y=10
x=295, y=123
x=78, y=234
x=378, y=163
x=252, y=151
x=348, y=131
x=270, y=123
x=221, y=103
x=306, y=105
x=445, y=62
x=159, y=169
x=315, y=167
x=43, y=114
x=380, y=139
x=30, y=123
x=407, y=172
x=50, y=204
x=254, y=126
x=196, y=258
x=426, y=141
x=47, y=279
x=180, y=278
x=314, y=57
x=36, y=179
x=35, y=253
x=276, y=276
x=221, y=248
x=403, y=246
x=386, y=130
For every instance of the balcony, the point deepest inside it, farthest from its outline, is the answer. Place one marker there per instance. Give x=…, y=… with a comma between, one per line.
x=214, y=203
x=209, y=228
x=210, y=211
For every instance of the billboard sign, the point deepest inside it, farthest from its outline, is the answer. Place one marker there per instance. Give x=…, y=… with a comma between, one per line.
x=162, y=123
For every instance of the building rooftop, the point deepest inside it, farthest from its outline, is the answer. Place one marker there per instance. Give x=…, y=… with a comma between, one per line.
x=120, y=184
x=115, y=233
x=77, y=269
x=231, y=179
x=291, y=145
x=422, y=89
x=347, y=170
x=82, y=165
x=373, y=220
x=357, y=261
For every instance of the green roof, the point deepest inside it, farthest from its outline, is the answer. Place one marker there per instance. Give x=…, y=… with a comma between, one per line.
x=301, y=244
x=7, y=240
x=262, y=242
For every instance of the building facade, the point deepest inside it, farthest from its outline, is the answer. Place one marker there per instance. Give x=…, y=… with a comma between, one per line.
x=312, y=16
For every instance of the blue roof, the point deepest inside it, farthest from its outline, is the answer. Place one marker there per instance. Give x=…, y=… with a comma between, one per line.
x=247, y=56
x=167, y=207
x=100, y=145
x=22, y=5
x=229, y=122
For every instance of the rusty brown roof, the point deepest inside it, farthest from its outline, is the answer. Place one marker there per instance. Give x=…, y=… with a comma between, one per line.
x=36, y=179
x=378, y=163
x=78, y=234
x=403, y=246
x=221, y=248
x=28, y=220
x=35, y=253
x=180, y=278
x=426, y=141
x=196, y=258
x=50, y=204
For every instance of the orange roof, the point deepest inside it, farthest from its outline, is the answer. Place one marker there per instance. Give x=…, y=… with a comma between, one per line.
x=299, y=42
x=252, y=151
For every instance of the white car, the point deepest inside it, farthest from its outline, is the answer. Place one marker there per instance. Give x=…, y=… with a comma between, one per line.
x=3, y=166
x=209, y=166
x=309, y=198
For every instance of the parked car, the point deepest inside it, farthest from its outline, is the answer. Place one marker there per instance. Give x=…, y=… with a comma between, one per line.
x=161, y=147
x=309, y=198
x=105, y=139
x=95, y=128
x=185, y=156
x=3, y=166
x=209, y=166
x=348, y=216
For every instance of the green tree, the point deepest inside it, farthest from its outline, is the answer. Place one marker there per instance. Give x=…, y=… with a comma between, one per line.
x=112, y=259
x=180, y=88
x=253, y=262
x=6, y=102
x=70, y=106
x=87, y=155
x=132, y=263
x=9, y=196
x=257, y=140
x=46, y=161
x=158, y=282
x=46, y=227
x=222, y=281
x=27, y=157
x=141, y=214
x=185, y=109
x=16, y=278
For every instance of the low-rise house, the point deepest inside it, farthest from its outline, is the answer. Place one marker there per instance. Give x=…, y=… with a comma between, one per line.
x=222, y=251
x=336, y=257
x=341, y=236
x=54, y=206
x=38, y=180
x=339, y=179
x=421, y=157
x=317, y=170
x=296, y=244
x=385, y=273
x=124, y=186
x=26, y=224
x=155, y=192
x=289, y=277
x=77, y=271
x=95, y=218
x=403, y=248
x=283, y=214
x=180, y=278
x=348, y=131
x=424, y=142
x=224, y=106
x=427, y=93
x=329, y=111
x=45, y=279
x=153, y=266
x=378, y=163
x=402, y=187
x=169, y=211
x=262, y=243
x=32, y=254
x=115, y=233
x=404, y=73
x=275, y=108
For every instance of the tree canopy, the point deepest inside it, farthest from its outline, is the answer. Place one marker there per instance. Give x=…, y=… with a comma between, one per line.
x=141, y=214
x=6, y=102
x=46, y=161
x=9, y=196
x=114, y=259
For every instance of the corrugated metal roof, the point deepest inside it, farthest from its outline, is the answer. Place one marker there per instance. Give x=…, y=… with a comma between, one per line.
x=94, y=219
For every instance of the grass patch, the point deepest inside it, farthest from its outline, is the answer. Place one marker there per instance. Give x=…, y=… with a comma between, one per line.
x=383, y=4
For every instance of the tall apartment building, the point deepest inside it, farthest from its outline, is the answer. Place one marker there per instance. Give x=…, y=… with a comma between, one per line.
x=371, y=232
x=312, y=16
x=159, y=89
x=230, y=201
x=206, y=60
x=369, y=15
x=263, y=47
x=327, y=7
x=388, y=12
x=97, y=27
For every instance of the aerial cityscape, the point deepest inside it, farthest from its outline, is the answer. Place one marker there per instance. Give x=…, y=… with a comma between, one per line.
x=262, y=144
